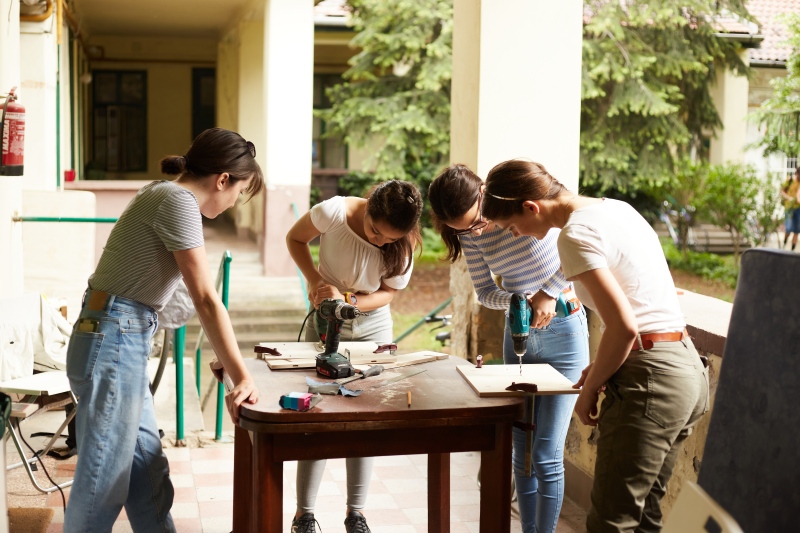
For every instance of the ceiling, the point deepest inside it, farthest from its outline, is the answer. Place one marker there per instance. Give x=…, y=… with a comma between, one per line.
x=159, y=18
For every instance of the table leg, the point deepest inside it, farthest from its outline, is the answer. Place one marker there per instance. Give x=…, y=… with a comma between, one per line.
x=242, y=481
x=438, y=492
x=496, y=483
x=267, y=486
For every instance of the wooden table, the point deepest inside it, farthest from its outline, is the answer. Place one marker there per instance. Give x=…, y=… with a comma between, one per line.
x=445, y=416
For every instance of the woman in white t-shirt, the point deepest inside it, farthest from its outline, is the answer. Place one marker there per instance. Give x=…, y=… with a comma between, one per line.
x=365, y=257
x=656, y=386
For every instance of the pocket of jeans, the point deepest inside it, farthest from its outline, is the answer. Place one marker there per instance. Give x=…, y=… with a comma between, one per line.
x=671, y=396
x=566, y=326
x=131, y=325
x=84, y=347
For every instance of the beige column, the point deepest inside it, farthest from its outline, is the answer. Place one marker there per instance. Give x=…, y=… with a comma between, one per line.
x=515, y=93
x=730, y=94
x=11, y=279
x=288, y=103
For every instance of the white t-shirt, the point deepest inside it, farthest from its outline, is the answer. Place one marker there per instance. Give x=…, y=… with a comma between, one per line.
x=611, y=234
x=347, y=261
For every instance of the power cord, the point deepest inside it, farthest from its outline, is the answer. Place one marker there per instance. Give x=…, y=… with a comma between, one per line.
x=38, y=455
x=304, y=324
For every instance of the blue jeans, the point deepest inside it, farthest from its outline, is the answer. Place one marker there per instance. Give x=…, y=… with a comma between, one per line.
x=564, y=344
x=120, y=460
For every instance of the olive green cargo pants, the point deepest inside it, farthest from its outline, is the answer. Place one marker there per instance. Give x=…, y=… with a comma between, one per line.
x=651, y=404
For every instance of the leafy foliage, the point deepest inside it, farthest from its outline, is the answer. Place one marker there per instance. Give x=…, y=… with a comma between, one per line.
x=708, y=266
x=730, y=197
x=397, y=89
x=780, y=114
x=767, y=216
x=647, y=67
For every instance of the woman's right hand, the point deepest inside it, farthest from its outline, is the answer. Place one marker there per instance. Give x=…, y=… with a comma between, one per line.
x=324, y=291
x=244, y=391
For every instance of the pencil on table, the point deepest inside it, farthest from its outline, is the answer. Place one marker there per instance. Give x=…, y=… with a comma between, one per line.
x=409, y=398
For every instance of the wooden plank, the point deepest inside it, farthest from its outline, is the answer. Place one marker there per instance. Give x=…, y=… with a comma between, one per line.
x=408, y=359
x=309, y=350
x=282, y=363
x=490, y=381
x=23, y=410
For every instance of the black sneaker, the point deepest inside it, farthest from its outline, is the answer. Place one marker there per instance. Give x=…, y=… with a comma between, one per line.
x=305, y=524
x=356, y=523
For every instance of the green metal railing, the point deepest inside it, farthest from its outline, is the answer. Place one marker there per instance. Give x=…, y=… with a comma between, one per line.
x=421, y=321
x=222, y=284
x=108, y=220
x=179, y=336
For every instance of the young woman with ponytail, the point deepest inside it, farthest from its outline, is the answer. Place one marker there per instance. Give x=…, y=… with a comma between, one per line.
x=157, y=240
x=365, y=257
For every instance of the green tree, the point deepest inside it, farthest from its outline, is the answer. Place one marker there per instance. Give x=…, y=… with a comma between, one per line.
x=396, y=92
x=647, y=67
x=730, y=199
x=780, y=114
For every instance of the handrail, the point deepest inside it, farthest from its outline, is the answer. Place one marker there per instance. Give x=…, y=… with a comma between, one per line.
x=300, y=272
x=222, y=284
x=100, y=220
x=421, y=321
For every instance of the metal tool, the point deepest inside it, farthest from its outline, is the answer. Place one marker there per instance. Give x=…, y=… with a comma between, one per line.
x=330, y=316
x=402, y=376
x=519, y=318
x=374, y=370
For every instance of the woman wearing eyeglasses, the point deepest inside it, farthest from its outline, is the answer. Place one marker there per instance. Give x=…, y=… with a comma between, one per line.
x=157, y=240
x=365, y=257
x=530, y=266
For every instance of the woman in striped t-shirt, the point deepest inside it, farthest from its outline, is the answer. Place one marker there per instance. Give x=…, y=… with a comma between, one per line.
x=157, y=240
x=532, y=267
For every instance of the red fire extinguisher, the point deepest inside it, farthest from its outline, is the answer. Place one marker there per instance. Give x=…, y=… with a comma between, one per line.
x=12, y=133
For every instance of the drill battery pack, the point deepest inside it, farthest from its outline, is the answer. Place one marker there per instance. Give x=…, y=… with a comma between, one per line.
x=298, y=401
x=567, y=303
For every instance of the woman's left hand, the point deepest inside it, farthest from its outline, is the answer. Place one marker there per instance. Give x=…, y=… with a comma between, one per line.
x=543, y=309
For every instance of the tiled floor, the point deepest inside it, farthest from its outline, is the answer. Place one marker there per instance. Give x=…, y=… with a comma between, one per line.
x=203, y=480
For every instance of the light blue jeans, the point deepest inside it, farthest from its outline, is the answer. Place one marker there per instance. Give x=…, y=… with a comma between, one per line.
x=564, y=344
x=120, y=460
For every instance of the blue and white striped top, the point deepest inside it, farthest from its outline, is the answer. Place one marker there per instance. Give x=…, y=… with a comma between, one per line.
x=525, y=264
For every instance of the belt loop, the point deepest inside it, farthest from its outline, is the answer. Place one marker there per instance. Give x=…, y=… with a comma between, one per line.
x=639, y=339
x=110, y=303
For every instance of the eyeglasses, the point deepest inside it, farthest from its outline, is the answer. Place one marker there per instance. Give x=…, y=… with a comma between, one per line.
x=251, y=149
x=480, y=224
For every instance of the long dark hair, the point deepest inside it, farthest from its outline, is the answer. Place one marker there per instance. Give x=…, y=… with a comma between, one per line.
x=451, y=194
x=216, y=151
x=399, y=204
x=512, y=182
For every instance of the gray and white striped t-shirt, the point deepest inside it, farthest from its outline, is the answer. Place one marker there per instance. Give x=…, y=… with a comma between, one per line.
x=137, y=261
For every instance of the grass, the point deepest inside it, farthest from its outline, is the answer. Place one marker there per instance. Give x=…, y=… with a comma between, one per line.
x=421, y=339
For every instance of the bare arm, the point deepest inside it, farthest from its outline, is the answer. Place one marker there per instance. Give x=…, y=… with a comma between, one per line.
x=366, y=302
x=214, y=318
x=302, y=233
x=618, y=338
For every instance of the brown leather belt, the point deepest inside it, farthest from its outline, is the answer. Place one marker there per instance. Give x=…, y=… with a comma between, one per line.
x=646, y=341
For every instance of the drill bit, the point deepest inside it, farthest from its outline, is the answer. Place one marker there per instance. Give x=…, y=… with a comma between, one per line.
x=520, y=365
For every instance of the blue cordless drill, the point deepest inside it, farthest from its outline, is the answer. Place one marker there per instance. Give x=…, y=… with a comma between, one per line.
x=519, y=317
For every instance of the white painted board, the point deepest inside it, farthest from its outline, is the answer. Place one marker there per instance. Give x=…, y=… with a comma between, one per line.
x=490, y=381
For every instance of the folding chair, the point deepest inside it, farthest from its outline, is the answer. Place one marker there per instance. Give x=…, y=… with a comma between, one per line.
x=41, y=393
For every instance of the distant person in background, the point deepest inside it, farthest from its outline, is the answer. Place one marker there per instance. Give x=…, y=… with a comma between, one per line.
x=790, y=192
